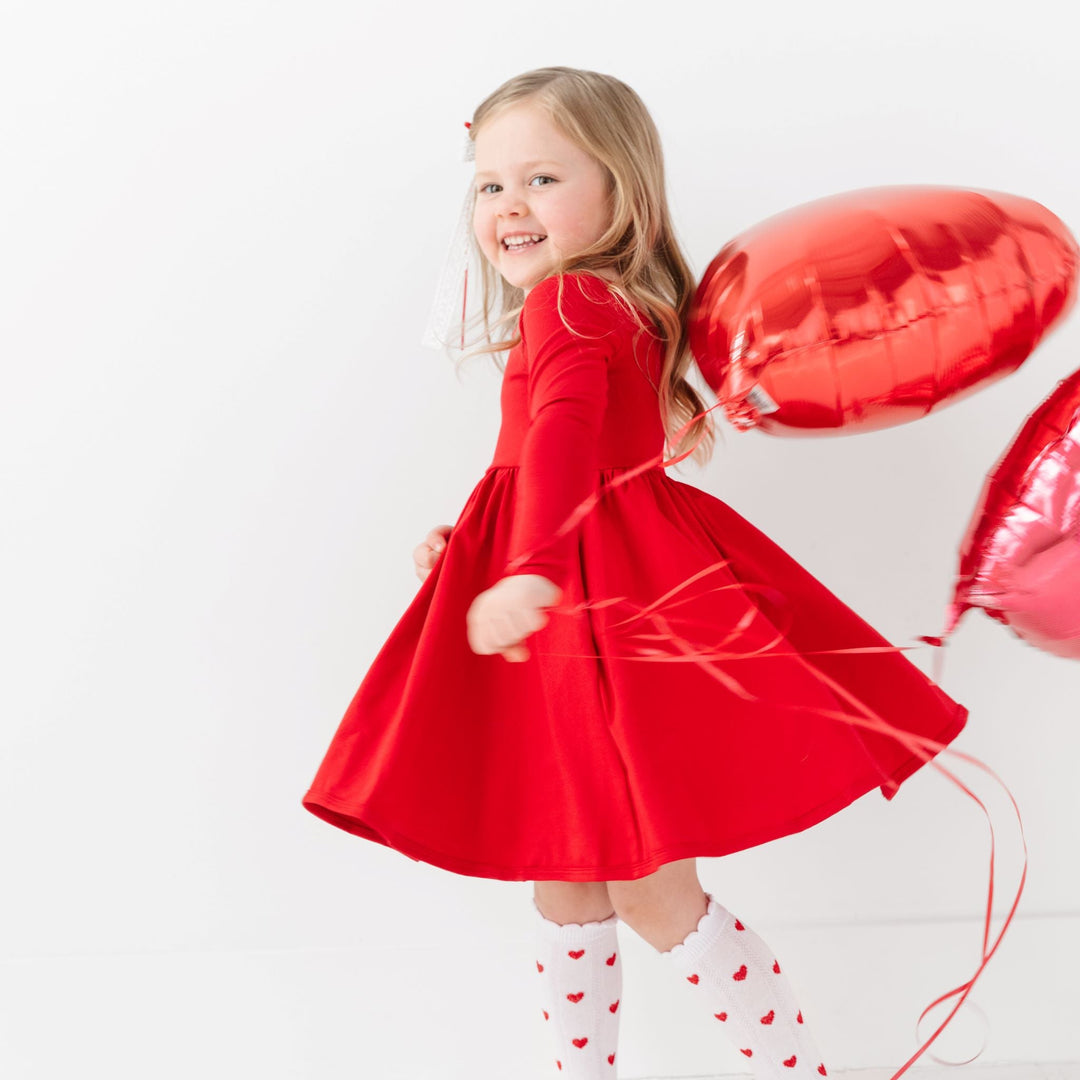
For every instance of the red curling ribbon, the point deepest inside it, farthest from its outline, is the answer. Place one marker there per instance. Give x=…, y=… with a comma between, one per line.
x=648, y=647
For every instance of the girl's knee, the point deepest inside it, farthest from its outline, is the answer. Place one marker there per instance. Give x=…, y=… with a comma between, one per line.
x=573, y=901
x=673, y=884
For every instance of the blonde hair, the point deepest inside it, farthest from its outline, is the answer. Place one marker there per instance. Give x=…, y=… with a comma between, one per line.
x=608, y=120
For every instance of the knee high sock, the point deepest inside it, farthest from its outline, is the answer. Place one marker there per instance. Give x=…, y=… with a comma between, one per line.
x=579, y=969
x=742, y=985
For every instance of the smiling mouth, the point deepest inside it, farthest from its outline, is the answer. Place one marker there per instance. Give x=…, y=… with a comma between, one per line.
x=511, y=248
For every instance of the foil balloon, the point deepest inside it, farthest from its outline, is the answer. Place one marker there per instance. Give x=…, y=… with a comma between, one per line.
x=870, y=308
x=1020, y=557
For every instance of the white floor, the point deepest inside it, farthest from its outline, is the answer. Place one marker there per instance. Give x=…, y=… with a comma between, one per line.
x=466, y=1011
x=1058, y=1071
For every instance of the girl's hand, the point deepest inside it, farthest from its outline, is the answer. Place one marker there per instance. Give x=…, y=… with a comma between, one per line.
x=427, y=552
x=501, y=617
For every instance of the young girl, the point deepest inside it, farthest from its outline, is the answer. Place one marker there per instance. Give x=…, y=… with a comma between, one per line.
x=583, y=764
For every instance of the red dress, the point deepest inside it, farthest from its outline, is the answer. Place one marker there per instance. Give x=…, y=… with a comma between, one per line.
x=587, y=762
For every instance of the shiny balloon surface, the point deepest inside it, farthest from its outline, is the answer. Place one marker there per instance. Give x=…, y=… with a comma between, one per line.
x=870, y=308
x=1020, y=557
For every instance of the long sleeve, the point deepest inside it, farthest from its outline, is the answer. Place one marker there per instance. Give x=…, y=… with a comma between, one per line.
x=568, y=391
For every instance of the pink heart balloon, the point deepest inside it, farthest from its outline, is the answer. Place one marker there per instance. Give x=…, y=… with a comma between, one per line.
x=1020, y=557
x=870, y=308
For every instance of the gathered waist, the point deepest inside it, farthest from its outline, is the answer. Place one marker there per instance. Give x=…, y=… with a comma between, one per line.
x=600, y=468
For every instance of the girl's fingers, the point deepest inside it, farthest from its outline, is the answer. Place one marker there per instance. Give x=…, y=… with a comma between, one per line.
x=436, y=539
x=528, y=622
x=425, y=556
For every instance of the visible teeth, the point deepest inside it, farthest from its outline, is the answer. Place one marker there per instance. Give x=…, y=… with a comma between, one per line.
x=517, y=241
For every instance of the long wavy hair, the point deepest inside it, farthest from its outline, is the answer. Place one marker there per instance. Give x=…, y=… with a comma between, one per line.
x=607, y=119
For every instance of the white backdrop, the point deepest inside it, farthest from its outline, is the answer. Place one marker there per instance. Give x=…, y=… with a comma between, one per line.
x=220, y=439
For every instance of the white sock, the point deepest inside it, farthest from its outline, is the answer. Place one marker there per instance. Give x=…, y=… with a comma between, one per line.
x=579, y=967
x=745, y=990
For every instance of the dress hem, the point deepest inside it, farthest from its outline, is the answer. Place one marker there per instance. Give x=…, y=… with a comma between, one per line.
x=346, y=816
x=913, y=763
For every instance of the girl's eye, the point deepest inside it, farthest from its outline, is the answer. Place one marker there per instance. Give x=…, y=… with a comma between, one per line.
x=539, y=177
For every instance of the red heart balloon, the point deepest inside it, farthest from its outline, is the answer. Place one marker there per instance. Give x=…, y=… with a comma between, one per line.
x=867, y=309
x=1020, y=557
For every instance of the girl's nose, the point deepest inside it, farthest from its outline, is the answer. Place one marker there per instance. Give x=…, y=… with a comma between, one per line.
x=511, y=202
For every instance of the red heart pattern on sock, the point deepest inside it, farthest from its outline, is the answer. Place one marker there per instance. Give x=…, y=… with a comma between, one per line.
x=569, y=957
x=761, y=1015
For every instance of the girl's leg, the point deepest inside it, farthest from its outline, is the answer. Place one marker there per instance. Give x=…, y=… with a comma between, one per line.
x=740, y=981
x=579, y=970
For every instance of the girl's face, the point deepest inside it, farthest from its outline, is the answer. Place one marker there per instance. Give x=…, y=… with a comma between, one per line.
x=530, y=179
